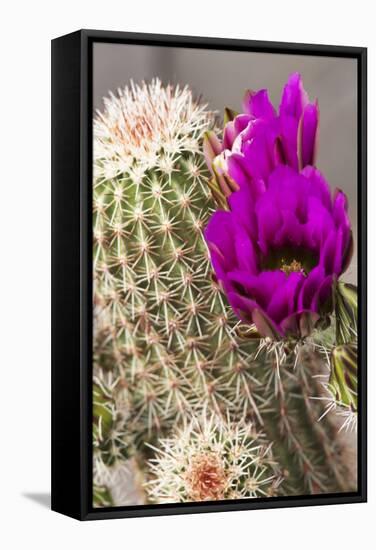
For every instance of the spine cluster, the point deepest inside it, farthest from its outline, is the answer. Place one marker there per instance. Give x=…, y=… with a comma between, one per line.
x=212, y=459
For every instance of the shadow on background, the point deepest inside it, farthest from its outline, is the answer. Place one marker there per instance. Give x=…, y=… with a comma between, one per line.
x=43, y=499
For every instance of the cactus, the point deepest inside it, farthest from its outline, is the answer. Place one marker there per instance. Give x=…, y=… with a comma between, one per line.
x=163, y=313
x=212, y=459
x=167, y=347
x=341, y=354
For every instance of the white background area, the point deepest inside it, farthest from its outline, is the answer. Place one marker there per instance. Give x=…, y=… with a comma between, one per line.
x=25, y=519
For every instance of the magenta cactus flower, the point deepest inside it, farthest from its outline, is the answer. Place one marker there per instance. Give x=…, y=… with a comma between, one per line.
x=257, y=141
x=279, y=250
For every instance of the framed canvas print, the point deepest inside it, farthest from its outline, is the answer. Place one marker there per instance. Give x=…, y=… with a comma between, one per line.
x=209, y=274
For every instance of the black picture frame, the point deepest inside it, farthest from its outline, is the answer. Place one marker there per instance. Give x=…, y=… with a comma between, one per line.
x=72, y=272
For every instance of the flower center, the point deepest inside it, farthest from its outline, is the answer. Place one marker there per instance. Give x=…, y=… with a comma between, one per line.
x=293, y=267
x=290, y=260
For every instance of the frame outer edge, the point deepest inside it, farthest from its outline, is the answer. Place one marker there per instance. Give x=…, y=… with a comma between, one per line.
x=65, y=377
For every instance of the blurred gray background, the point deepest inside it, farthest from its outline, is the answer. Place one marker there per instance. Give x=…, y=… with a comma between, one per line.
x=221, y=78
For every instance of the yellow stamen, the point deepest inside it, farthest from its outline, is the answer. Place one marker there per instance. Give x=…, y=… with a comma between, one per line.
x=292, y=267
